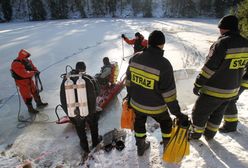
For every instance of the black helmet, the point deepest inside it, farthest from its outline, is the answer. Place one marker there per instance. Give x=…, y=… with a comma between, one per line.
x=106, y=61
x=156, y=38
x=229, y=22
x=80, y=66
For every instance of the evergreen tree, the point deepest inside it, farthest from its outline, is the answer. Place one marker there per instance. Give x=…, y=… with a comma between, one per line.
x=205, y=6
x=188, y=8
x=219, y=7
x=242, y=14
x=98, y=7
x=80, y=7
x=112, y=4
x=59, y=9
x=179, y=8
x=37, y=10
x=7, y=9
x=136, y=5
x=147, y=8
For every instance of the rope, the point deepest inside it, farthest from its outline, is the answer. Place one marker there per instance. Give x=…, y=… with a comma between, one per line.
x=23, y=122
x=38, y=82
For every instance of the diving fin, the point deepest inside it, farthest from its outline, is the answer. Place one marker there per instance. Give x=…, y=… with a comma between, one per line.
x=178, y=146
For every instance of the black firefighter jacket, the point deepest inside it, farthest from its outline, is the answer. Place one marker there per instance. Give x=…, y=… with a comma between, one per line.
x=150, y=83
x=226, y=63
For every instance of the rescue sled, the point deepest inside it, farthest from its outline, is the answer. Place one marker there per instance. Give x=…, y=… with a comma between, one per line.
x=107, y=93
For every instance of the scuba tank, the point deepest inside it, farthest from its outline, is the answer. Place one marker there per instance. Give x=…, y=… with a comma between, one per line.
x=82, y=96
x=70, y=96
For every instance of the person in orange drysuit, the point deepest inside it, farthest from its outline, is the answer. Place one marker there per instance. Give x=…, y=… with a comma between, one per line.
x=139, y=42
x=23, y=70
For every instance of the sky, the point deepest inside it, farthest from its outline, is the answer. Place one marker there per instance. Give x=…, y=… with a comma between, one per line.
x=55, y=44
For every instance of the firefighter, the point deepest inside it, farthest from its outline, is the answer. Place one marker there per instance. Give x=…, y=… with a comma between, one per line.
x=220, y=78
x=152, y=91
x=231, y=113
x=23, y=70
x=139, y=42
x=91, y=120
x=104, y=76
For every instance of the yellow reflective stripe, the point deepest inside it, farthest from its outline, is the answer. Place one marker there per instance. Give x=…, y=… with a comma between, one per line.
x=145, y=68
x=171, y=98
x=231, y=119
x=212, y=128
x=244, y=85
x=140, y=135
x=163, y=109
x=204, y=74
x=143, y=73
x=208, y=71
x=237, y=50
x=219, y=95
x=238, y=55
x=198, y=131
x=164, y=135
x=197, y=85
x=169, y=93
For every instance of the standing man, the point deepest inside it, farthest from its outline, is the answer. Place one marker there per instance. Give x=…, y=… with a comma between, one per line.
x=220, y=78
x=151, y=89
x=23, y=70
x=92, y=90
x=139, y=42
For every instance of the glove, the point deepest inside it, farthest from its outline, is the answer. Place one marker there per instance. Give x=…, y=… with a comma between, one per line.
x=123, y=36
x=37, y=73
x=183, y=119
x=127, y=97
x=196, y=90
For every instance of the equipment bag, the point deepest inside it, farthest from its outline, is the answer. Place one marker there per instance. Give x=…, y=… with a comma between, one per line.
x=127, y=116
x=178, y=146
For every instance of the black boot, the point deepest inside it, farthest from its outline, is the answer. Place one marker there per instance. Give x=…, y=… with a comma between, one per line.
x=228, y=127
x=30, y=106
x=39, y=103
x=85, y=146
x=142, y=145
x=95, y=143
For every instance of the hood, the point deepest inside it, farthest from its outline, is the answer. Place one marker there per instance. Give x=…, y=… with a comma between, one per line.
x=23, y=54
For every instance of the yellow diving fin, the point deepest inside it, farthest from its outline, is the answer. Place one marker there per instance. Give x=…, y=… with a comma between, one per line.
x=178, y=146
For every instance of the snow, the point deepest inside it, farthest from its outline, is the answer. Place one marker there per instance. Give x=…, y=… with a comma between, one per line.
x=55, y=44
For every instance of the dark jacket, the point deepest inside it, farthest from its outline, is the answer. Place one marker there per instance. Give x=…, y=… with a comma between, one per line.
x=150, y=83
x=222, y=73
x=139, y=44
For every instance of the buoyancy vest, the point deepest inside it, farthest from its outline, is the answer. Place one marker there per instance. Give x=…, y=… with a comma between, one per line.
x=27, y=66
x=138, y=45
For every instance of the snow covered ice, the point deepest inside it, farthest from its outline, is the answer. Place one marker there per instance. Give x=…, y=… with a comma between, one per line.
x=55, y=44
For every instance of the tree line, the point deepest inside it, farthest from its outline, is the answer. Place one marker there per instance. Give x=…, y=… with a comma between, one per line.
x=66, y=9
